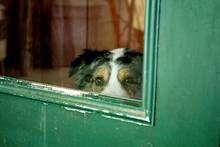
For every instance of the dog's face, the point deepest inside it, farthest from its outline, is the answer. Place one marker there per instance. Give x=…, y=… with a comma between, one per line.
x=115, y=73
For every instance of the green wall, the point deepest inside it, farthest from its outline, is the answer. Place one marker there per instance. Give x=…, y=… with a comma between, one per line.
x=187, y=103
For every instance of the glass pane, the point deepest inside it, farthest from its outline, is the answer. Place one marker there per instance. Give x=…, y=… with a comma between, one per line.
x=90, y=45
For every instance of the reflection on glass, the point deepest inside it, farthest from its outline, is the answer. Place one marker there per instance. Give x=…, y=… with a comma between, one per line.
x=45, y=41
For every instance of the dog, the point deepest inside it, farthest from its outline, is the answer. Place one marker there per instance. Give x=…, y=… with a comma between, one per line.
x=116, y=73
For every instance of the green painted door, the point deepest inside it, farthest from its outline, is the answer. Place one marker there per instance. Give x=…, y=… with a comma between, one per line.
x=187, y=105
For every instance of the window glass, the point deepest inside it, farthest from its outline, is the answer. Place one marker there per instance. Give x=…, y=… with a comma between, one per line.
x=89, y=45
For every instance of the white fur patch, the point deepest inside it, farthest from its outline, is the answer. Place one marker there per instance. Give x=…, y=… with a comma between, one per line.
x=117, y=53
x=114, y=87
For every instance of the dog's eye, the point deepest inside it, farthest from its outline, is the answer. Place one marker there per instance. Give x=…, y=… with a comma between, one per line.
x=99, y=81
x=129, y=80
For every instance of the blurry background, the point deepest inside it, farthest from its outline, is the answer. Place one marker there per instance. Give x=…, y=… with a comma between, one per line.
x=40, y=38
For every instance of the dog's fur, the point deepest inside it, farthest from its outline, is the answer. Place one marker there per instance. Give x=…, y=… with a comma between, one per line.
x=116, y=73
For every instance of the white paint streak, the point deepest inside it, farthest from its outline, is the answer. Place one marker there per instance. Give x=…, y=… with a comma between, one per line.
x=45, y=103
x=43, y=126
x=136, y=117
x=86, y=107
x=68, y=91
x=124, y=120
x=119, y=114
x=105, y=111
x=76, y=110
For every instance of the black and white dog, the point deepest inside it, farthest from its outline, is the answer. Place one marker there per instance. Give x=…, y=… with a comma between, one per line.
x=116, y=73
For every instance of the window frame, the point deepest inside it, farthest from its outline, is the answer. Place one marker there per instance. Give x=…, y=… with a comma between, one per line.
x=92, y=102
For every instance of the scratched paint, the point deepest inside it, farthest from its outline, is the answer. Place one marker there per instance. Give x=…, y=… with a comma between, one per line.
x=43, y=125
x=124, y=120
x=86, y=107
x=77, y=110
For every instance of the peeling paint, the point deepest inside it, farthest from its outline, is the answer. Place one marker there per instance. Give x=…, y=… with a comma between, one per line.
x=66, y=103
x=135, y=117
x=76, y=110
x=124, y=120
x=45, y=103
x=119, y=114
x=86, y=107
x=106, y=111
x=68, y=91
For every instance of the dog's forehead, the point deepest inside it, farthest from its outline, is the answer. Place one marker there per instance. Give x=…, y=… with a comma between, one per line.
x=117, y=53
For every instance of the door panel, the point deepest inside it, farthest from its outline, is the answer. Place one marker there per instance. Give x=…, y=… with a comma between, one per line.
x=187, y=102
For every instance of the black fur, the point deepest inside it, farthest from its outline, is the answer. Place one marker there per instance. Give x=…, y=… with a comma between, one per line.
x=87, y=58
x=128, y=56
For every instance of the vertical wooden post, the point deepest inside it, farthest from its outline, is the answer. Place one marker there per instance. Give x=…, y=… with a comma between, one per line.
x=87, y=23
x=3, y=38
x=25, y=22
x=131, y=7
x=115, y=21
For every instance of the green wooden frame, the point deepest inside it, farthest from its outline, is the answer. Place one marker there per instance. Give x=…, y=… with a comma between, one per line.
x=137, y=111
x=150, y=58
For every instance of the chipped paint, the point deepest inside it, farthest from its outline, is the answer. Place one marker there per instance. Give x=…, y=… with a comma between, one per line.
x=86, y=107
x=124, y=120
x=77, y=110
x=45, y=103
x=138, y=118
x=106, y=111
x=119, y=114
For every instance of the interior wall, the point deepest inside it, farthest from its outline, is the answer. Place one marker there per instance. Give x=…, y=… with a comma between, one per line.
x=51, y=33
